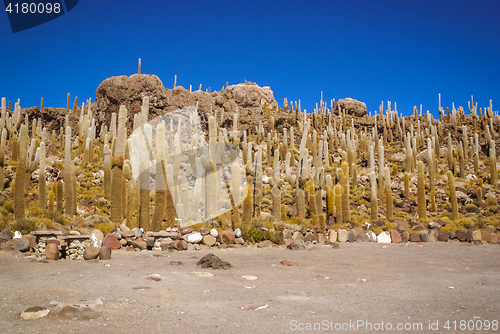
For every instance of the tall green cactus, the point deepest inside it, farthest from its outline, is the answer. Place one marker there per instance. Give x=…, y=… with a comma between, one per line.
x=19, y=185
x=42, y=182
x=3, y=141
x=373, y=198
x=453, y=196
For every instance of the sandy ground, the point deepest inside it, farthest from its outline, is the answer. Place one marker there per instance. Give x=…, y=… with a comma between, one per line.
x=334, y=288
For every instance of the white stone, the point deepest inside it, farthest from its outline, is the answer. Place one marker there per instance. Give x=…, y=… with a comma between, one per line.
x=333, y=236
x=214, y=233
x=237, y=233
x=17, y=235
x=384, y=238
x=372, y=236
x=193, y=237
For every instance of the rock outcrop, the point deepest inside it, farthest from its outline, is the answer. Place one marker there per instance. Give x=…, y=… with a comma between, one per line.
x=352, y=106
x=247, y=98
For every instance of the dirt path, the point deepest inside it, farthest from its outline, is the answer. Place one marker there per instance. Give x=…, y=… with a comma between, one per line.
x=395, y=283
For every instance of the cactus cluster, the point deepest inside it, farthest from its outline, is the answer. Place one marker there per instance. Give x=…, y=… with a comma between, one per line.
x=343, y=172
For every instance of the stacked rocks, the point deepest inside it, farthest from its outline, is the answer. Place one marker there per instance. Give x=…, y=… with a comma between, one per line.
x=41, y=238
x=76, y=245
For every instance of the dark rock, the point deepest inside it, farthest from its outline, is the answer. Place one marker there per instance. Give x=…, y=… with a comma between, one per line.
x=405, y=236
x=350, y=236
x=111, y=241
x=424, y=237
x=214, y=262
x=331, y=220
x=443, y=236
x=460, y=234
x=105, y=253
x=452, y=234
x=468, y=236
x=150, y=243
x=414, y=237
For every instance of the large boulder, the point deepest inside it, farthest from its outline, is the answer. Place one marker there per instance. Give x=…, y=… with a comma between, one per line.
x=248, y=98
x=352, y=106
x=129, y=91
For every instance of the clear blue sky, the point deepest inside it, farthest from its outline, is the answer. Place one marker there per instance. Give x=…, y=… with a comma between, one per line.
x=403, y=51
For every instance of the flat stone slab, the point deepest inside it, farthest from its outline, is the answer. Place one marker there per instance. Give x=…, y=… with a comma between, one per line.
x=46, y=233
x=163, y=234
x=78, y=303
x=76, y=237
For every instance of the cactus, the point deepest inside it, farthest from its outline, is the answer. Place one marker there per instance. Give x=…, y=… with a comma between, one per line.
x=69, y=208
x=493, y=165
x=51, y=201
x=59, y=197
x=3, y=141
x=19, y=185
x=42, y=182
x=247, y=207
x=344, y=181
x=373, y=198
x=422, y=209
x=453, y=196
x=117, y=179
x=338, y=203
x=479, y=192
x=160, y=182
x=388, y=194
